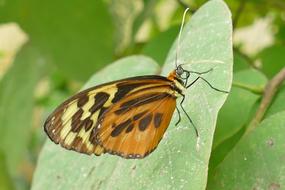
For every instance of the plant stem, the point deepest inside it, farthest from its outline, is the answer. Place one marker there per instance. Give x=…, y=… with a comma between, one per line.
x=251, y=88
x=268, y=95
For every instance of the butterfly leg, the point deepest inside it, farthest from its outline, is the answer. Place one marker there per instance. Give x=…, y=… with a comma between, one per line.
x=211, y=86
x=179, y=116
x=181, y=105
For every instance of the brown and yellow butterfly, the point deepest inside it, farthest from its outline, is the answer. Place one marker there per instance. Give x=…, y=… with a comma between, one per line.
x=127, y=117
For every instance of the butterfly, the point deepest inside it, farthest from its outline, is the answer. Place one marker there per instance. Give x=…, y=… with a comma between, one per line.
x=127, y=117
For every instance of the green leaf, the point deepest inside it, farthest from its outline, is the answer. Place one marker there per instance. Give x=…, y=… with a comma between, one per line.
x=251, y=11
x=123, y=12
x=159, y=46
x=240, y=62
x=279, y=23
x=221, y=150
x=238, y=104
x=175, y=163
x=257, y=160
x=235, y=114
x=147, y=11
x=16, y=105
x=5, y=179
x=272, y=59
x=76, y=35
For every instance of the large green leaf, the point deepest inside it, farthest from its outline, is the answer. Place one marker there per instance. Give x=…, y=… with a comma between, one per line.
x=76, y=35
x=239, y=103
x=257, y=162
x=16, y=105
x=176, y=163
x=272, y=59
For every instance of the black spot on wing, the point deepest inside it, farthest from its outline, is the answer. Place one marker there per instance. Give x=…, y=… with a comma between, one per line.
x=130, y=128
x=76, y=122
x=119, y=128
x=92, y=137
x=140, y=101
x=157, y=119
x=144, y=122
x=100, y=99
x=87, y=123
x=124, y=89
x=82, y=100
x=139, y=115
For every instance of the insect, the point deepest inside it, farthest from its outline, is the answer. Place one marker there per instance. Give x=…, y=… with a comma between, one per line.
x=126, y=117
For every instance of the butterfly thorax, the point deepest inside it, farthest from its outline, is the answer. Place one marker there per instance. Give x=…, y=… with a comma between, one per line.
x=178, y=83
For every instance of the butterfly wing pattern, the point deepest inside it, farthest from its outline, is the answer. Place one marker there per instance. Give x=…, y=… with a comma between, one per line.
x=134, y=126
x=127, y=117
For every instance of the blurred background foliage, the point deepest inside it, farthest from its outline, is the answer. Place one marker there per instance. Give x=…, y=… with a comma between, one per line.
x=48, y=49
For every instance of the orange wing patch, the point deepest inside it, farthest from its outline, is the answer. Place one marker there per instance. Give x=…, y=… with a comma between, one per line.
x=133, y=127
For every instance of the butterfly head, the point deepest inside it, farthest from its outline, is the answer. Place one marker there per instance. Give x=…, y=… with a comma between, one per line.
x=180, y=78
x=182, y=74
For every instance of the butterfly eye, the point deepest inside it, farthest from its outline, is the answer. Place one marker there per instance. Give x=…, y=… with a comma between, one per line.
x=179, y=71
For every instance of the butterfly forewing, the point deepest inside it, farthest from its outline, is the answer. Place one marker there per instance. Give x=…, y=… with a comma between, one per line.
x=74, y=124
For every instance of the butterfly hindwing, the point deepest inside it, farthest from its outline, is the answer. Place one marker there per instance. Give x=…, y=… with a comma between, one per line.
x=72, y=124
x=134, y=126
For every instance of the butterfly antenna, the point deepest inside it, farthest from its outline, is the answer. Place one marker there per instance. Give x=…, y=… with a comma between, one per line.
x=179, y=36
